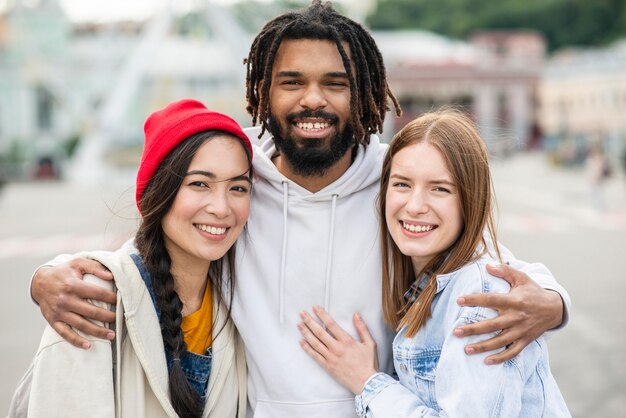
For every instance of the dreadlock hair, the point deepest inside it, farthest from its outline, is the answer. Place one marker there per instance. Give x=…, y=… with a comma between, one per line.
x=368, y=83
x=156, y=201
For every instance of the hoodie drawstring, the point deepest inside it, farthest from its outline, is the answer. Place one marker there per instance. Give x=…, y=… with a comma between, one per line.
x=283, y=259
x=329, y=255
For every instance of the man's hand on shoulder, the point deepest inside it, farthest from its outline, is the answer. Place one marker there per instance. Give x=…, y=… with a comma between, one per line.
x=63, y=297
x=524, y=315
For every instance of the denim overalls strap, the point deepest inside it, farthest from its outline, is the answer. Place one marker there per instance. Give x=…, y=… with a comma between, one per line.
x=197, y=367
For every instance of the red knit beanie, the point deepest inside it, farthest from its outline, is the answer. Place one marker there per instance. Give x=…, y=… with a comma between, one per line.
x=168, y=127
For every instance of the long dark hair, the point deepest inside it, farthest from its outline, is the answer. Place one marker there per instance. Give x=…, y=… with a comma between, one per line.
x=156, y=201
x=369, y=90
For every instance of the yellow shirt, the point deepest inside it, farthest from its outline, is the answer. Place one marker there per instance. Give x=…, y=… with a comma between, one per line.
x=197, y=326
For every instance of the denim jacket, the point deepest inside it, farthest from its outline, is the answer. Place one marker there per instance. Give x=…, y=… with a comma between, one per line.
x=437, y=378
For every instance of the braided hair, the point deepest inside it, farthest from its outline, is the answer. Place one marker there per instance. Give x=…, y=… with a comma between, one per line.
x=156, y=201
x=368, y=82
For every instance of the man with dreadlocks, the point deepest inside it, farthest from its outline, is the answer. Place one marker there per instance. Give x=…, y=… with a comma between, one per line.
x=316, y=82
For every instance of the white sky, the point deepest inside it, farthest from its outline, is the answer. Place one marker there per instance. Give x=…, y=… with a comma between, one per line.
x=108, y=10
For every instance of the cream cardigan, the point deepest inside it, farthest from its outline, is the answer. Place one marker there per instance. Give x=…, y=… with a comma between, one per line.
x=126, y=378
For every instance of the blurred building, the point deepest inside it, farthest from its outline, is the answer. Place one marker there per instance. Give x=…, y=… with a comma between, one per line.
x=61, y=81
x=33, y=46
x=52, y=78
x=494, y=76
x=583, y=98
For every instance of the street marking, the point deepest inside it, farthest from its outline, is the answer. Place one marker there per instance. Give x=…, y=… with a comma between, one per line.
x=537, y=223
x=58, y=244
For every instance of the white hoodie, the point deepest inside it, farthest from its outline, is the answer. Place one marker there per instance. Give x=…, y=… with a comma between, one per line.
x=301, y=249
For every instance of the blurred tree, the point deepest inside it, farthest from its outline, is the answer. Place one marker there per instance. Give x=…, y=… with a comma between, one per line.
x=563, y=22
x=253, y=14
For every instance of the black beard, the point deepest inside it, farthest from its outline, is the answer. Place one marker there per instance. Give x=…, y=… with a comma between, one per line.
x=311, y=159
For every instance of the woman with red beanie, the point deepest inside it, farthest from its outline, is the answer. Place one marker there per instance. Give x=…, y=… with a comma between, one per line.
x=167, y=359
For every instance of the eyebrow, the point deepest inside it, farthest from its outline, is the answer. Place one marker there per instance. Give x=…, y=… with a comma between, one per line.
x=442, y=181
x=337, y=74
x=437, y=181
x=332, y=74
x=213, y=177
x=288, y=74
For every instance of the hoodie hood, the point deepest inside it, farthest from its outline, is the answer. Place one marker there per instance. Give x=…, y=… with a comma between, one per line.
x=362, y=173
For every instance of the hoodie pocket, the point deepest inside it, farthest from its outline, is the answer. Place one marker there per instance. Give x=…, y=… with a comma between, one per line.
x=342, y=408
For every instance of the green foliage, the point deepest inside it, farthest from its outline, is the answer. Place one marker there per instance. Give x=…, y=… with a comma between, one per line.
x=69, y=146
x=563, y=22
x=193, y=25
x=254, y=14
x=16, y=152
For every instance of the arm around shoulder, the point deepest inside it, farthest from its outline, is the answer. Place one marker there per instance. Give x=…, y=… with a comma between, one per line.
x=63, y=297
x=58, y=260
x=541, y=275
x=78, y=269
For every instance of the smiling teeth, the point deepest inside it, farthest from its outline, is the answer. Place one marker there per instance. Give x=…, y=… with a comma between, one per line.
x=211, y=229
x=307, y=126
x=417, y=228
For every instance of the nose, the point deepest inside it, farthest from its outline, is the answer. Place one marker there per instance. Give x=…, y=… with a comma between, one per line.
x=219, y=204
x=313, y=98
x=417, y=203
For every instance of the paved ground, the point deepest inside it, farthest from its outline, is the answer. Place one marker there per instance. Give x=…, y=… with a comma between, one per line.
x=545, y=215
